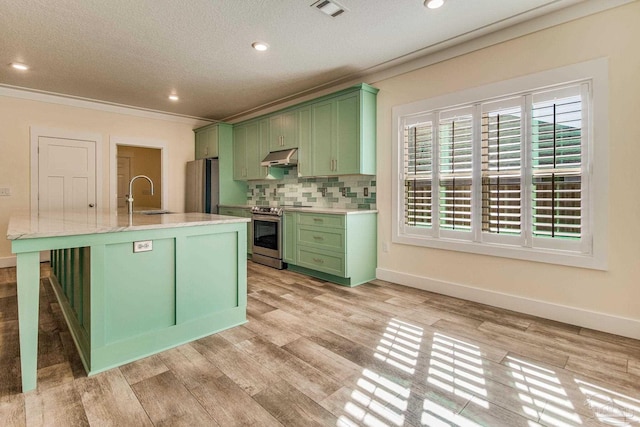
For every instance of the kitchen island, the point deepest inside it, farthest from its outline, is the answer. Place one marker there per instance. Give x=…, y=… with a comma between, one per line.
x=130, y=286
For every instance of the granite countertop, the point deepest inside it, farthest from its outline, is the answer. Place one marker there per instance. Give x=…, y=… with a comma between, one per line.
x=335, y=211
x=26, y=226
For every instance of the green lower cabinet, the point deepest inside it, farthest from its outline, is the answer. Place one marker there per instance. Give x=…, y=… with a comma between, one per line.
x=324, y=261
x=338, y=248
x=289, y=237
x=244, y=213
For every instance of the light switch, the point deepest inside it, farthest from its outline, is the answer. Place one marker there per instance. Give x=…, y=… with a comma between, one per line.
x=5, y=191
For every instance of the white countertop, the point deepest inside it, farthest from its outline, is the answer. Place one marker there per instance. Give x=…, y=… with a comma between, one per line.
x=26, y=226
x=335, y=211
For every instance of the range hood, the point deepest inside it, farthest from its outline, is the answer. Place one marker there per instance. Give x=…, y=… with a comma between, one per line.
x=281, y=158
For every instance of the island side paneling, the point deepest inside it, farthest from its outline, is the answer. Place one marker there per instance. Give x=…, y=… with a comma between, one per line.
x=122, y=305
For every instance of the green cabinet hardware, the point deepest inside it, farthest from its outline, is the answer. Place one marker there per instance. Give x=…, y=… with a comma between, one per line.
x=207, y=139
x=282, y=131
x=335, y=247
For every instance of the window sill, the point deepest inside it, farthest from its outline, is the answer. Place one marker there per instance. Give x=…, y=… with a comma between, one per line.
x=550, y=256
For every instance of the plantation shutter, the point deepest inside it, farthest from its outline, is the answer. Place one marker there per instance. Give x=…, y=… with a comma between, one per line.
x=455, y=147
x=556, y=154
x=501, y=141
x=418, y=173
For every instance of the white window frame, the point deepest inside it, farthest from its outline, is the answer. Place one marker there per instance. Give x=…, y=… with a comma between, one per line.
x=593, y=251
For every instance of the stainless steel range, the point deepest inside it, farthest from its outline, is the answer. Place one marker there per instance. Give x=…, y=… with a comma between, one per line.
x=267, y=236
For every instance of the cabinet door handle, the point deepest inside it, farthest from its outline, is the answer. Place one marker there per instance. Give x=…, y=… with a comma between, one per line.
x=319, y=238
x=318, y=260
x=317, y=219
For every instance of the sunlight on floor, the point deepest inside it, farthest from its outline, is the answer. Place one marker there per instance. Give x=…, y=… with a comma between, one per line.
x=542, y=394
x=400, y=345
x=455, y=368
x=379, y=401
x=610, y=407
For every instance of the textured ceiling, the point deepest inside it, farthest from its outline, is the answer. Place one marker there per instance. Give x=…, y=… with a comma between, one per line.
x=136, y=52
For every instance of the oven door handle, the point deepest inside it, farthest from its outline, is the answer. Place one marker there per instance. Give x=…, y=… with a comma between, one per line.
x=266, y=218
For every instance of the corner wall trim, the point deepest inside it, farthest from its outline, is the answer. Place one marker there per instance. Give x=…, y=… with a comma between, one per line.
x=572, y=315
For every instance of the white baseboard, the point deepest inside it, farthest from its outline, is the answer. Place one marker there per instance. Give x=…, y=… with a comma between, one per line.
x=10, y=261
x=572, y=315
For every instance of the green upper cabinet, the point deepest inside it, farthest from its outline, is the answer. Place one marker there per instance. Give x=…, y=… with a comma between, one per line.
x=207, y=139
x=343, y=132
x=240, y=151
x=334, y=134
x=322, y=138
x=283, y=131
x=304, y=141
x=250, y=146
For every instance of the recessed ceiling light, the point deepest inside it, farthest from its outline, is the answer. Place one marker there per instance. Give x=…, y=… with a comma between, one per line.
x=260, y=46
x=19, y=66
x=173, y=97
x=433, y=4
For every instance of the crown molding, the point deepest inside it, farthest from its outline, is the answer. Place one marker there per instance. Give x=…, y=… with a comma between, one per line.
x=93, y=104
x=472, y=41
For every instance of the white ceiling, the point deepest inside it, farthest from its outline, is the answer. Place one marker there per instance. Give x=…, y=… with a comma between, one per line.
x=136, y=52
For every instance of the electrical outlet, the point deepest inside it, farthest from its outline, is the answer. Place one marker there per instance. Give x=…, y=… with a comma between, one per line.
x=143, y=246
x=366, y=191
x=252, y=192
x=275, y=192
x=5, y=191
x=323, y=191
x=344, y=191
x=385, y=247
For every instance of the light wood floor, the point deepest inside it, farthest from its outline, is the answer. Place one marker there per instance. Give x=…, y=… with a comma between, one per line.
x=314, y=353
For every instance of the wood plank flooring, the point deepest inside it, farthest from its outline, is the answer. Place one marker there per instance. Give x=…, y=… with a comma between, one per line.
x=314, y=353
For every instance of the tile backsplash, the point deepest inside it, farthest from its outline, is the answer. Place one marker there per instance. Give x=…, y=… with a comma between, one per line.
x=359, y=191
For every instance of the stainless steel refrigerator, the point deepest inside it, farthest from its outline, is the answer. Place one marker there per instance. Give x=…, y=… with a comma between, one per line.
x=202, y=192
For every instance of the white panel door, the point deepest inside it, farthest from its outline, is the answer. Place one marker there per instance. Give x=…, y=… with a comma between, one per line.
x=67, y=178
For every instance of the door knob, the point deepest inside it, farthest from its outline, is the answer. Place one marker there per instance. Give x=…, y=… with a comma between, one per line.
x=91, y=205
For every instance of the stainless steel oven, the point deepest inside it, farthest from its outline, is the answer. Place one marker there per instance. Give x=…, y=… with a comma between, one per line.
x=267, y=236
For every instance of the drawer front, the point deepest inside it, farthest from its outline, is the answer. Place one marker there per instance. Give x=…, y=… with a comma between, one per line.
x=326, y=238
x=321, y=220
x=325, y=262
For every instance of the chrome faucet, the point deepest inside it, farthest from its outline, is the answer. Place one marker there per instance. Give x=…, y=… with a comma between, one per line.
x=130, y=195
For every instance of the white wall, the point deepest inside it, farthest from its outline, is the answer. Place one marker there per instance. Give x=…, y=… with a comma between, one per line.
x=18, y=115
x=606, y=300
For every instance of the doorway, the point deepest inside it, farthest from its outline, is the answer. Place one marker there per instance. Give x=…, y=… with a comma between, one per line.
x=133, y=161
x=129, y=157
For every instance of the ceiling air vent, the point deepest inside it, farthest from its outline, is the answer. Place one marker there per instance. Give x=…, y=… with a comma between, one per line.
x=330, y=8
